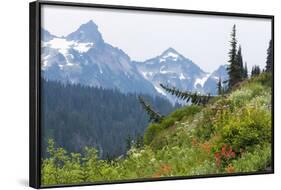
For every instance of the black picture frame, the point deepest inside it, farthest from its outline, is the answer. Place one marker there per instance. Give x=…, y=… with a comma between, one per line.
x=35, y=90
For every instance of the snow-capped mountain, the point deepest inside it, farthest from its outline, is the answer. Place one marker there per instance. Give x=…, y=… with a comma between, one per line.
x=174, y=69
x=83, y=57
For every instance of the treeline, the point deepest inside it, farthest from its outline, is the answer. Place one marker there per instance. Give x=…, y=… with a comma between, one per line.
x=76, y=116
x=238, y=70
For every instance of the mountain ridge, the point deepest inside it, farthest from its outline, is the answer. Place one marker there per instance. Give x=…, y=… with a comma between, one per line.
x=84, y=57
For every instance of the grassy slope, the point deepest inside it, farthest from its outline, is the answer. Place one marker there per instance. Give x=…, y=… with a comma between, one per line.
x=231, y=134
x=240, y=121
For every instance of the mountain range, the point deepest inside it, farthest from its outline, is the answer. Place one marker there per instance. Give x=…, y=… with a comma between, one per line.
x=84, y=57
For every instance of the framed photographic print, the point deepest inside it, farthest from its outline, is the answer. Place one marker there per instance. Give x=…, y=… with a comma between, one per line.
x=130, y=94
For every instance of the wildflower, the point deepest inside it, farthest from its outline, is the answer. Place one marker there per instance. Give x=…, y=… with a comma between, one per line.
x=217, y=155
x=223, y=150
x=230, y=169
x=136, y=155
x=152, y=160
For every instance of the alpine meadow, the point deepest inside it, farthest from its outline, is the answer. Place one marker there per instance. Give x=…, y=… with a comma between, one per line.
x=108, y=116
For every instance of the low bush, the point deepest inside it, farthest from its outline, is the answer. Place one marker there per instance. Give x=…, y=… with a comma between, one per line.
x=247, y=127
x=258, y=160
x=155, y=128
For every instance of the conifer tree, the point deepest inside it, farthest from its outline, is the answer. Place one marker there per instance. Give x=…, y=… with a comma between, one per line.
x=233, y=69
x=245, y=75
x=194, y=97
x=139, y=141
x=239, y=60
x=154, y=116
x=219, y=87
x=255, y=70
x=269, y=58
x=129, y=142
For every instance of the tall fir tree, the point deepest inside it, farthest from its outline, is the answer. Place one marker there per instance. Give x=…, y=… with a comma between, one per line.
x=129, y=141
x=269, y=58
x=245, y=75
x=220, y=87
x=233, y=69
x=239, y=60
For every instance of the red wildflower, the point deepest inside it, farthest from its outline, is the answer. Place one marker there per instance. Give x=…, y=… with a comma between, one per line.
x=223, y=150
x=217, y=155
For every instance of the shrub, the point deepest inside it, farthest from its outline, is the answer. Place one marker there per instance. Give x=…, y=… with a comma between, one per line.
x=155, y=128
x=247, y=127
x=205, y=127
x=258, y=160
x=265, y=79
x=186, y=111
x=151, y=131
x=240, y=97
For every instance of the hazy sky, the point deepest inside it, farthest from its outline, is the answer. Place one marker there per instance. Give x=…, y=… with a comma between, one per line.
x=143, y=35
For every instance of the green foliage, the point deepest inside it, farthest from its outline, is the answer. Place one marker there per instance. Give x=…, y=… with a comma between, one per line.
x=258, y=160
x=264, y=79
x=234, y=69
x=220, y=87
x=255, y=70
x=247, y=127
x=245, y=71
x=153, y=115
x=193, y=97
x=230, y=134
x=151, y=131
x=154, y=129
x=61, y=168
x=269, y=58
x=239, y=60
x=76, y=116
x=205, y=125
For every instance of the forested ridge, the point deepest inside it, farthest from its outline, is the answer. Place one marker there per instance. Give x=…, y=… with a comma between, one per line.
x=76, y=116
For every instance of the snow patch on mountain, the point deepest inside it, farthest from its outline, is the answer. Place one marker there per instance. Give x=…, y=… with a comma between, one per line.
x=182, y=77
x=63, y=45
x=171, y=55
x=45, y=61
x=146, y=75
x=201, y=81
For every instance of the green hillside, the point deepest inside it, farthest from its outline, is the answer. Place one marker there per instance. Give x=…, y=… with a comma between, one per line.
x=232, y=133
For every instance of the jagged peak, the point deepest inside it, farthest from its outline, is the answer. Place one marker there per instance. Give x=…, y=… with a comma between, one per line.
x=171, y=51
x=87, y=32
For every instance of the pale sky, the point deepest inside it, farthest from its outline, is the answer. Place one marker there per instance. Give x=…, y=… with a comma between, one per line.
x=143, y=35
